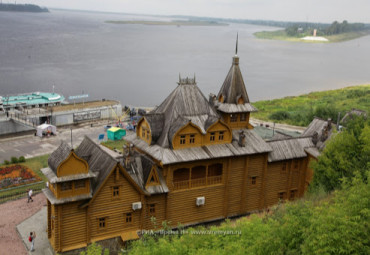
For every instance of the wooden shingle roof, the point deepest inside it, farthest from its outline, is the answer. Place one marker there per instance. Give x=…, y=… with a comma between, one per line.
x=254, y=144
x=232, y=90
x=100, y=161
x=139, y=169
x=58, y=156
x=185, y=104
x=323, y=128
x=289, y=148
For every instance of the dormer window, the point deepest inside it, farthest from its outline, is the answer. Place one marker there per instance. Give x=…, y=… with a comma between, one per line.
x=212, y=137
x=240, y=100
x=221, y=136
x=221, y=98
x=143, y=133
x=192, y=139
x=182, y=139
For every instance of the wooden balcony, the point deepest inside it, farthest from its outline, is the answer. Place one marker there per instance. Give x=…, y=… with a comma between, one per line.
x=194, y=183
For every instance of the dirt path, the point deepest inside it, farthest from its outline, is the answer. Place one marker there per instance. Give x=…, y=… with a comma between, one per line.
x=11, y=214
x=278, y=125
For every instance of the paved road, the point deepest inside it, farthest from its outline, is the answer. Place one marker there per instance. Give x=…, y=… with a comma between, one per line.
x=31, y=146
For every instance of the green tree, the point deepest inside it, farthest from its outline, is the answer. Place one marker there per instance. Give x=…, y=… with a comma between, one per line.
x=345, y=154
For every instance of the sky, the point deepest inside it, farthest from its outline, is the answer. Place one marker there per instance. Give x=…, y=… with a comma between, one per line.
x=283, y=10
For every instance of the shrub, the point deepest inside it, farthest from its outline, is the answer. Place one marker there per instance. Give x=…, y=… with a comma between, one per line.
x=14, y=160
x=280, y=115
x=21, y=159
x=6, y=162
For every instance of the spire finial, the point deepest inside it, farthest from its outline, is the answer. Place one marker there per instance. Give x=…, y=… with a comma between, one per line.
x=236, y=48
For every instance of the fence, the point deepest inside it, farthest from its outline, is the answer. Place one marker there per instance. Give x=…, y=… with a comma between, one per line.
x=20, y=192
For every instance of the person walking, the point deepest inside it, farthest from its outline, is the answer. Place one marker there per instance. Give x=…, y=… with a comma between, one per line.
x=30, y=196
x=32, y=238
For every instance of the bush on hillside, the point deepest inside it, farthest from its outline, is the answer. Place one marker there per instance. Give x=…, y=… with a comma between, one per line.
x=280, y=115
x=14, y=160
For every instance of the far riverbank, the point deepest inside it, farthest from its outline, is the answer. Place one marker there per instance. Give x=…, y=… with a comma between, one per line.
x=283, y=36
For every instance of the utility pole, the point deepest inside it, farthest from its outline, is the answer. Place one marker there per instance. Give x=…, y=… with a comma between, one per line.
x=71, y=139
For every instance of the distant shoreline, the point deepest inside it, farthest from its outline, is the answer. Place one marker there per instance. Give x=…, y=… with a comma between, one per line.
x=282, y=36
x=168, y=23
x=22, y=8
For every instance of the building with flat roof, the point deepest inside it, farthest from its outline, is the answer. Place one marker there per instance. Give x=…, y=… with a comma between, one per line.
x=30, y=100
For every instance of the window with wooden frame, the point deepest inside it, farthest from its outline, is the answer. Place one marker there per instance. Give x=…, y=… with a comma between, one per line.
x=254, y=180
x=115, y=191
x=281, y=195
x=152, y=210
x=192, y=139
x=221, y=136
x=243, y=117
x=182, y=139
x=293, y=194
x=147, y=134
x=128, y=217
x=80, y=184
x=212, y=136
x=102, y=223
x=143, y=133
x=153, y=177
x=66, y=186
x=233, y=117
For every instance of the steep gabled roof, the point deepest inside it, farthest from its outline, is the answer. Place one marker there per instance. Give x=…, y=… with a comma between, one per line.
x=234, y=89
x=139, y=168
x=323, y=128
x=58, y=156
x=98, y=159
x=185, y=104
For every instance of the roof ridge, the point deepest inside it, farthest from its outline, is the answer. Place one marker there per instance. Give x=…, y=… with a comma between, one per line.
x=289, y=138
x=99, y=147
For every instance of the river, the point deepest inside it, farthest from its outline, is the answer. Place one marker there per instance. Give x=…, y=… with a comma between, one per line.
x=78, y=52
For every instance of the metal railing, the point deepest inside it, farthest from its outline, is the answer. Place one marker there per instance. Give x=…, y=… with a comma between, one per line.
x=36, y=188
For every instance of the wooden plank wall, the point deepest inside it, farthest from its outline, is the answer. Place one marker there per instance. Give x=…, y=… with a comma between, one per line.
x=74, y=225
x=276, y=181
x=182, y=208
x=255, y=194
x=114, y=209
x=160, y=211
x=292, y=179
x=235, y=185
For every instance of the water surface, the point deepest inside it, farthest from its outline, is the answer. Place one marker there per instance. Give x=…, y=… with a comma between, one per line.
x=139, y=64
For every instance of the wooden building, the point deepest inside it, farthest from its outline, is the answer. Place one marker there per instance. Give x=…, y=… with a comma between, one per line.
x=192, y=160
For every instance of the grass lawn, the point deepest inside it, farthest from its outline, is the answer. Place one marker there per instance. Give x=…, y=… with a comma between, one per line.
x=300, y=110
x=114, y=144
x=35, y=164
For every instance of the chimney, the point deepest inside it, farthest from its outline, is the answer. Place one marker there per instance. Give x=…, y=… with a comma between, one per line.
x=241, y=139
x=329, y=124
x=212, y=99
x=315, y=138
